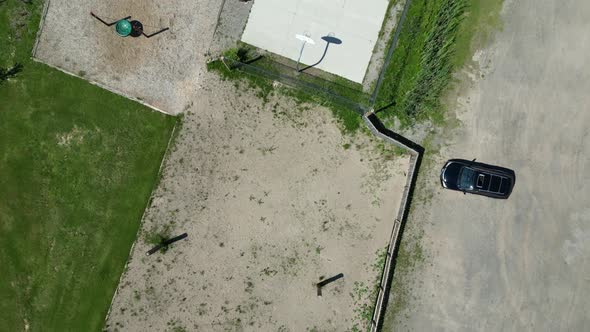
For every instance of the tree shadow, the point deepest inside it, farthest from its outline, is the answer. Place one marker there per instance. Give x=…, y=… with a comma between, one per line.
x=393, y=103
x=5, y=74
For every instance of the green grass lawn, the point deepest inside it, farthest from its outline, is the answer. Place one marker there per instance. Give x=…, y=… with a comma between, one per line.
x=437, y=37
x=77, y=165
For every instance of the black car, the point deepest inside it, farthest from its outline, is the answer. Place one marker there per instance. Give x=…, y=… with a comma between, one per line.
x=477, y=178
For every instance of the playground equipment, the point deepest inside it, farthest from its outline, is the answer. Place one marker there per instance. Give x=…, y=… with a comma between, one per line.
x=124, y=27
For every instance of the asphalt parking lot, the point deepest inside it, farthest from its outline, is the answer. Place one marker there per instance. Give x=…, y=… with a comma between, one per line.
x=521, y=264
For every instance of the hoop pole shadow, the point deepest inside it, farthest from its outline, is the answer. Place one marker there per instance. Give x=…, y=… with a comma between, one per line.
x=315, y=64
x=329, y=40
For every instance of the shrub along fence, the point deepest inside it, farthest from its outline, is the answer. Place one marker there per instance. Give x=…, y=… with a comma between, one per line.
x=337, y=93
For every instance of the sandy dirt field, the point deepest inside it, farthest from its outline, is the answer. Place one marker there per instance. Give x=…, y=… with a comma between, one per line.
x=273, y=199
x=163, y=71
x=521, y=264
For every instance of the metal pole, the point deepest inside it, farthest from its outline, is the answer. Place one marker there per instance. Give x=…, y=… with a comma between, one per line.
x=305, y=39
x=300, y=53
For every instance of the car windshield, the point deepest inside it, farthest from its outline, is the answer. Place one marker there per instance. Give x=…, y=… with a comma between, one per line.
x=466, y=178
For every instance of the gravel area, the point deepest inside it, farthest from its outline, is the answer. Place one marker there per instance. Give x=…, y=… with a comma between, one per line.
x=163, y=71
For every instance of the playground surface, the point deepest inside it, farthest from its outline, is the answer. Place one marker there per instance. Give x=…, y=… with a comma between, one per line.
x=273, y=196
x=162, y=71
x=272, y=26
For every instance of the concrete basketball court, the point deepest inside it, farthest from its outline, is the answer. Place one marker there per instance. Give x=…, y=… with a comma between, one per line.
x=272, y=26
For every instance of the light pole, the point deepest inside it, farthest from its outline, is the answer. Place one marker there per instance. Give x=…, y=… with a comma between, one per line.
x=305, y=39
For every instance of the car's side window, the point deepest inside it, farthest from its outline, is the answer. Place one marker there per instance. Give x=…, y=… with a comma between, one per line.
x=480, y=180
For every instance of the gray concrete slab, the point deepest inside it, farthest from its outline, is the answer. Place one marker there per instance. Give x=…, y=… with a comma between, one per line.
x=273, y=25
x=521, y=264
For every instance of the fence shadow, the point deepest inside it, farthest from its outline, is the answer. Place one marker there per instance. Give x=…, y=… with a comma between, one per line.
x=416, y=151
x=263, y=66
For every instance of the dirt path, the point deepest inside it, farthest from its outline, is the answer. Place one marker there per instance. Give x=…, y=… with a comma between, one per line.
x=520, y=264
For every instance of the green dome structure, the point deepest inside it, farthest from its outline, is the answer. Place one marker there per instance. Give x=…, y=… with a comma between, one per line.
x=123, y=28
